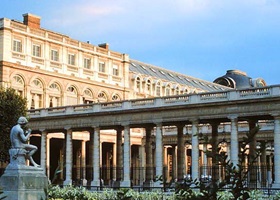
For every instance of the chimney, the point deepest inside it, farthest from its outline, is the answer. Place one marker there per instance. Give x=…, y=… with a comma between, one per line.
x=31, y=20
x=104, y=45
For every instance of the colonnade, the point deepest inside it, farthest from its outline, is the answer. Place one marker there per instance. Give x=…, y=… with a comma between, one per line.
x=123, y=152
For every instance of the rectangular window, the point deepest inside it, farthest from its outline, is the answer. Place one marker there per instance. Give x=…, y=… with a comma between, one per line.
x=17, y=46
x=54, y=55
x=71, y=59
x=115, y=70
x=36, y=50
x=102, y=67
x=87, y=63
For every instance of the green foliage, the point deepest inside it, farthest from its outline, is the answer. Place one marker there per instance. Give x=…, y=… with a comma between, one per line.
x=124, y=194
x=12, y=106
x=79, y=193
x=69, y=192
x=235, y=178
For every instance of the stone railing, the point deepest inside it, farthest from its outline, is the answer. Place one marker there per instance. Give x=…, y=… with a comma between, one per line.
x=189, y=99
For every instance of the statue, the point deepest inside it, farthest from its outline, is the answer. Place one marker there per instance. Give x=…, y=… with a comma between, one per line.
x=19, y=142
x=20, y=181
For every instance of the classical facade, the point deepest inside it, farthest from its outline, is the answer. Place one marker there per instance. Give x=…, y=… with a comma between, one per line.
x=53, y=70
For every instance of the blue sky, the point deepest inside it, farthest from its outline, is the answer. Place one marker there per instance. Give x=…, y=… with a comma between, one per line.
x=200, y=38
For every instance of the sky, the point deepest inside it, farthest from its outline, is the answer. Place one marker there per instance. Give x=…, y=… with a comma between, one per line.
x=199, y=38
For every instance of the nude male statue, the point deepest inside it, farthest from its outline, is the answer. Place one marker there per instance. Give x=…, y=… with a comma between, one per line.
x=19, y=139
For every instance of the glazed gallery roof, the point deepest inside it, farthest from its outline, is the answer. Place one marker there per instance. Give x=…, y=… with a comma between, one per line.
x=152, y=71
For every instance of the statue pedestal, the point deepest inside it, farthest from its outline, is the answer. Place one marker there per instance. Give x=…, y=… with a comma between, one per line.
x=24, y=182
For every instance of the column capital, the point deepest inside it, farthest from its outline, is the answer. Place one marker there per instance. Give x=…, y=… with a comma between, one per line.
x=96, y=128
x=157, y=121
x=194, y=120
x=42, y=130
x=126, y=124
x=67, y=127
x=232, y=116
x=119, y=128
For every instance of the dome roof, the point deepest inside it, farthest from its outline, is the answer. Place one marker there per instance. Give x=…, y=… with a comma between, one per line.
x=237, y=79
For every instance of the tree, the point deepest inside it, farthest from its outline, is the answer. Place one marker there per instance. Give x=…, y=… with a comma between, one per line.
x=235, y=180
x=12, y=106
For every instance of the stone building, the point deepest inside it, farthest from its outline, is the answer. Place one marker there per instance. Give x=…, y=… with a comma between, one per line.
x=53, y=70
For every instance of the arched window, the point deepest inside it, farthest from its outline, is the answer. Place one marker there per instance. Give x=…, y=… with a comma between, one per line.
x=149, y=86
x=158, y=89
x=116, y=97
x=102, y=97
x=177, y=91
x=138, y=84
x=72, y=95
x=185, y=91
x=54, y=95
x=167, y=90
x=18, y=84
x=87, y=96
x=37, y=92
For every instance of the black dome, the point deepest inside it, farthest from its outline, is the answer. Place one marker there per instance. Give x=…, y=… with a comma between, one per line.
x=237, y=79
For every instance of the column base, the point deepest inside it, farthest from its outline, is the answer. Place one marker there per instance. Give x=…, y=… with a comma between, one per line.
x=95, y=185
x=84, y=182
x=116, y=184
x=125, y=184
x=158, y=184
x=67, y=182
x=148, y=184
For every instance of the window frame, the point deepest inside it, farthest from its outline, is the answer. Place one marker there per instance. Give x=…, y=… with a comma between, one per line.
x=37, y=50
x=116, y=70
x=53, y=56
x=16, y=47
x=71, y=59
x=102, y=67
x=87, y=63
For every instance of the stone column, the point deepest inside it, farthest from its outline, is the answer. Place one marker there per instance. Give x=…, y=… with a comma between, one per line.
x=90, y=155
x=159, y=154
x=215, y=164
x=142, y=163
x=234, y=147
x=69, y=157
x=48, y=141
x=263, y=168
x=126, y=158
x=43, y=162
x=165, y=171
x=181, y=153
x=149, y=158
x=276, y=183
x=96, y=158
x=119, y=155
x=195, y=150
x=83, y=154
x=269, y=170
x=253, y=161
x=174, y=162
x=205, y=162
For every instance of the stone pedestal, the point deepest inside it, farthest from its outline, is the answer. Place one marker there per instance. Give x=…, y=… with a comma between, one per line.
x=21, y=182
